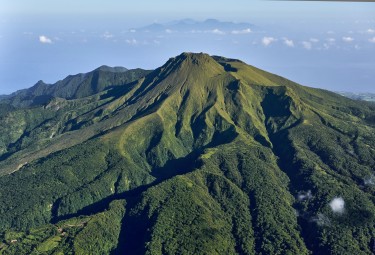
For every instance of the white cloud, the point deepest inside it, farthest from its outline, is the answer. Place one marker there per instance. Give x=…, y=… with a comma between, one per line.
x=288, y=42
x=44, y=39
x=131, y=41
x=337, y=205
x=168, y=31
x=107, y=35
x=370, y=31
x=268, y=40
x=331, y=40
x=307, y=45
x=347, y=39
x=214, y=31
x=314, y=40
x=372, y=40
x=217, y=32
x=304, y=195
x=132, y=30
x=357, y=47
x=244, y=31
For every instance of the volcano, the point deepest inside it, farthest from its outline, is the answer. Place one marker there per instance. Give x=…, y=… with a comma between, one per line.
x=204, y=155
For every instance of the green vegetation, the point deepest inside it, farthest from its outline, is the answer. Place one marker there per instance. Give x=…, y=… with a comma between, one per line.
x=96, y=234
x=75, y=86
x=204, y=155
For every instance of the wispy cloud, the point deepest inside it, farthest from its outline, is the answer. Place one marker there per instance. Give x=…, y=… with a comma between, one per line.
x=288, y=42
x=44, y=39
x=217, y=31
x=337, y=205
x=268, y=40
x=348, y=39
x=321, y=220
x=326, y=46
x=370, y=31
x=132, y=30
x=314, y=40
x=240, y=32
x=131, y=41
x=107, y=35
x=372, y=40
x=304, y=195
x=168, y=31
x=329, y=42
x=307, y=45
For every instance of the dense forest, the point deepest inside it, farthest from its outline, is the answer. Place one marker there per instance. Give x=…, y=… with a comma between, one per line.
x=204, y=155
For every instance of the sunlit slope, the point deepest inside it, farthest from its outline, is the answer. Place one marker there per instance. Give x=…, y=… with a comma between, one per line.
x=75, y=86
x=30, y=118
x=204, y=155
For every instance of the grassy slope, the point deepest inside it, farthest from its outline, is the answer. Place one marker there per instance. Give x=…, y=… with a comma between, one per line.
x=210, y=155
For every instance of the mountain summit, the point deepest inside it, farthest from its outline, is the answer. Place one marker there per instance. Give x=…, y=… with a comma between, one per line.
x=204, y=155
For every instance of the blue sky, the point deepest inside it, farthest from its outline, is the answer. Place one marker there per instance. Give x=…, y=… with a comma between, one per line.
x=319, y=44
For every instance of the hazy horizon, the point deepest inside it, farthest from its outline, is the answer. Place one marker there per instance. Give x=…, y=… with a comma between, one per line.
x=317, y=44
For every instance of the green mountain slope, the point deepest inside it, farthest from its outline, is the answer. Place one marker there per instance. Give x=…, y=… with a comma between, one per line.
x=204, y=155
x=75, y=86
x=31, y=117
